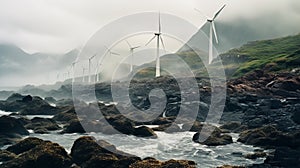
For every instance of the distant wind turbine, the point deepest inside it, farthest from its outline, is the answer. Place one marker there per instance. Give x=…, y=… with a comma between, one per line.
x=159, y=39
x=90, y=62
x=131, y=54
x=211, y=31
x=73, y=70
x=83, y=72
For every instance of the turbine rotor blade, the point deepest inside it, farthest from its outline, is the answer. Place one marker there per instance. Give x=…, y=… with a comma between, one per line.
x=162, y=42
x=114, y=53
x=216, y=15
x=135, y=47
x=150, y=41
x=215, y=32
x=128, y=44
x=159, y=23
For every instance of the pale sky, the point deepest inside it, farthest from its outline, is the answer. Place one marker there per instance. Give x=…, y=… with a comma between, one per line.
x=57, y=26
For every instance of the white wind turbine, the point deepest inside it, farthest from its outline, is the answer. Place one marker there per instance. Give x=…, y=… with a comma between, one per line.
x=111, y=52
x=159, y=39
x=211, y=31
x=131, y=54
x=73, y=70
x=90, y=62
x=83, y=72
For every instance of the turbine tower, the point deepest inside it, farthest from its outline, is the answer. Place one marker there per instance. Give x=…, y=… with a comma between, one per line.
x=212, y=31
x=83, y=72
x=159, y=39
x=73, y=70
x=131, y=54
x=90, y=62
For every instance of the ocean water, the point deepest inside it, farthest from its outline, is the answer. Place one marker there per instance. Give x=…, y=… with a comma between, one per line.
x=166, y=146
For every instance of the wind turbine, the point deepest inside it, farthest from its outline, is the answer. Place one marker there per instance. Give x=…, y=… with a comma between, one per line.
x=211, y=32
x=73, y=69
x=159, y=39
x=90, y=61
x=83, y=72
x=131, y=56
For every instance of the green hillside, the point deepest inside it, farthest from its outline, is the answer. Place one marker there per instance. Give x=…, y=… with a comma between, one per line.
x=281, y=54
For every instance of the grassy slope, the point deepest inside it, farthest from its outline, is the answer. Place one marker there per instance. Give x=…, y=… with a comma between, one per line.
x=275, y=55
x=280, y=54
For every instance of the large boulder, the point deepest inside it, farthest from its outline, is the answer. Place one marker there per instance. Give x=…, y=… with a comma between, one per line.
x=39, y=154
x=153, y=163
x=11, y=129
x=144, y=131
x=87, y=152
x=214, y=136
x=74, y=127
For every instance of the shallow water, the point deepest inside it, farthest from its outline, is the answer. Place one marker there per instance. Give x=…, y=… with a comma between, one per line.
x=167, y=146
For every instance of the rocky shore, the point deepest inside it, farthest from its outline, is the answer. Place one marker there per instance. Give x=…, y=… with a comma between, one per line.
x=263, y=108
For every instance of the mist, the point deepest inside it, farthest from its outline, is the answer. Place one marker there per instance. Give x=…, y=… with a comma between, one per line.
x=44, y=31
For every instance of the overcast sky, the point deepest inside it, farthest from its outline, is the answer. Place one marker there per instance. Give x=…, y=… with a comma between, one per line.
x=58, y=26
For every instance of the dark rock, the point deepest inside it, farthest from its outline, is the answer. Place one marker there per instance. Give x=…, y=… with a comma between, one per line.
x=153, y=163
x=67, y=114
x=6, y=155
x=269, y=136
x=296, y=114
x=256, y=155
x=144, y=131
x=42, y=125
x=27, y=98
x=282, y=157
x=10, y=125
x=290, y=85
x=15, y=97
x=215, y=137
x=168, y=128
x=50, y=99
x=86, y=152
x=46, y=155
x=74, y=127
x=235, y=127
x=25, y=145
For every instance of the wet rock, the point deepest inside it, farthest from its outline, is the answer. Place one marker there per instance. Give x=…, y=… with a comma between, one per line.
x=45, y=154
x=144, y=131
x=86, y=152
x=74, y=127
x=229, y=166
x=67, y=114
x=153, y=163
x=296, y=114
x=269, y=136
x=284, y=157
x=168, y=128
x=214, y=137
x=256, y=155
x=6, y=155
x=25, y=145
x=11, y=130
x=42, y=125
x=235, y=127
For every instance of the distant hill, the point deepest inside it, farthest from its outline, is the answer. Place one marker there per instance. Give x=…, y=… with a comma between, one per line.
x=17, y=66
